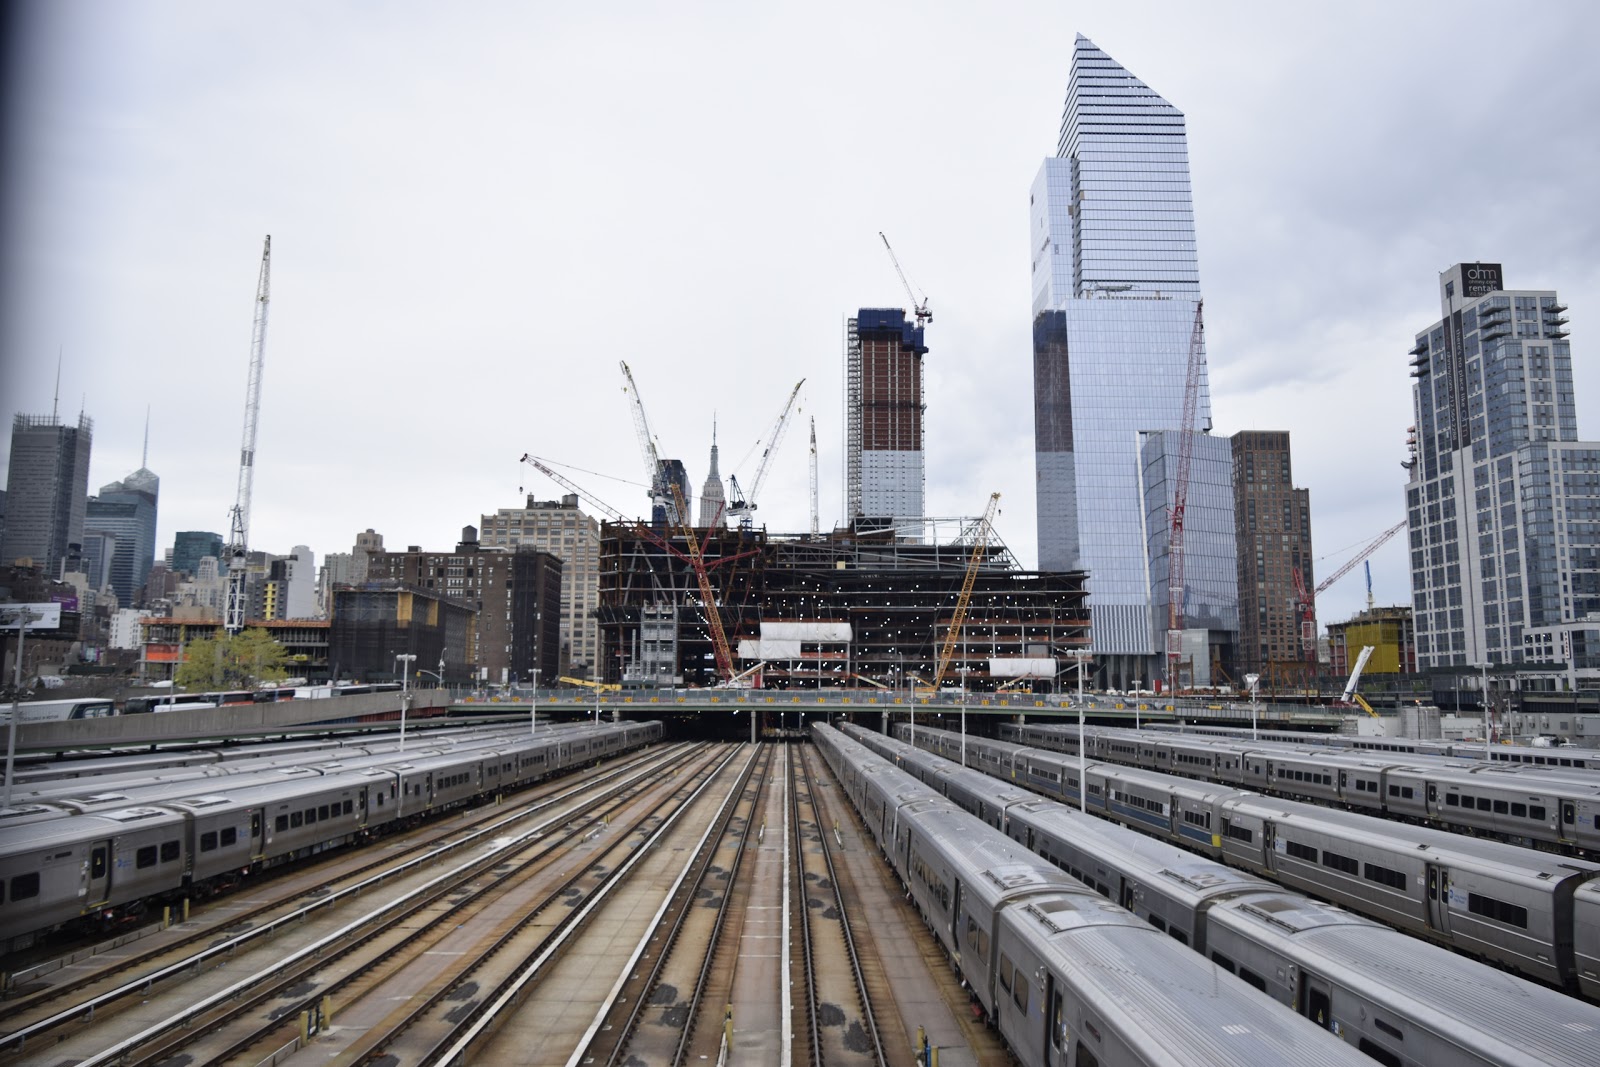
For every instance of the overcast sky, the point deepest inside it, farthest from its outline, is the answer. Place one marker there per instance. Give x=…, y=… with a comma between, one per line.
x=477, y=209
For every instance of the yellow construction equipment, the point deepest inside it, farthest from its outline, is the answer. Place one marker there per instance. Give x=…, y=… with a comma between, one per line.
x=604, y=687
x=980, y=541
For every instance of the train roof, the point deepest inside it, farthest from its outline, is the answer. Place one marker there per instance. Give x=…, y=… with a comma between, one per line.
x=989, y=865
x=47, y=833
x=1494, y=1013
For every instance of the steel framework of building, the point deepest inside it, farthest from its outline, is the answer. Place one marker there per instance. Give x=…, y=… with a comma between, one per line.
x=897, y=588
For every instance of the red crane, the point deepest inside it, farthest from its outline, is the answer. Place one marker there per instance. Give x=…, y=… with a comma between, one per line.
x=1180, y=498
x=1306, y=602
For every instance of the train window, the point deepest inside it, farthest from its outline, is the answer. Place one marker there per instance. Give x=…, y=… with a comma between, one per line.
x=349, y=806
x=1241, y=833
x=230, y=836
x=1379, y=1053
x=1394, y=790
x=1299, y=851
x=1392, y=1031
x=281, y=823
x=1253, y=978
x=208, y=841
x=1569, y=813
x=1340, y=863
x=1520, y=811
x=169, y=851
x=1224, y=962
x=255, y=824
x=1452, y=801
x=2, y=890
x=1005, y=973
x=1019, y=990
x=145, y=857
x=1498, y=910
x=1536, y=811
x=1501, y=807
x=295, y=820
x=322, y=811
x=97, y=863
x=1159, y=923
x=25, y=886
x=1057, y=1024
x=1085, y=1058
x=311, y=816
x=1483, y=803
x=1385, y=876
x=1407, y=793
x=1179, y=936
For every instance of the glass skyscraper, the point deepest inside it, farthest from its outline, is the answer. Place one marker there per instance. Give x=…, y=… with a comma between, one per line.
x=1503, y=502
x=127, y=510
x=47, y=491
x=1115, y=299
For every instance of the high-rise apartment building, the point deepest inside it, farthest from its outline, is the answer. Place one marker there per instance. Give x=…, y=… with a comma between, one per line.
x=1115, y=301
x=47, y=490
x=127, y=510
x=884, y=468
x=1503, y=502
x=713, y=501
x=559, y=528
x=1272, y=520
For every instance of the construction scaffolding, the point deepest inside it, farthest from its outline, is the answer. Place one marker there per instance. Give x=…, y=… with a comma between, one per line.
x=890, y=590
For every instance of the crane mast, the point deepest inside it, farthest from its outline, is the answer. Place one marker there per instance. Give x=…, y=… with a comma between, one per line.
x=239, y=523
x=813, y=476
x=980, y=542
x=1180, y=498
x=660, y=501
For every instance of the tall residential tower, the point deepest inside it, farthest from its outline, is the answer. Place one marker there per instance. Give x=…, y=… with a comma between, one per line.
x=1503, y=502
x=1115, y=297
x=47, y=490
x=884, y=467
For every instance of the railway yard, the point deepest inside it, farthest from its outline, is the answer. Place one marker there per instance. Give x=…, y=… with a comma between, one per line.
x=610, y=894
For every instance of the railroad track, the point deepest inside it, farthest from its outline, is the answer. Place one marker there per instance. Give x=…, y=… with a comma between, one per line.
x=840, y=1028
x=357, y=947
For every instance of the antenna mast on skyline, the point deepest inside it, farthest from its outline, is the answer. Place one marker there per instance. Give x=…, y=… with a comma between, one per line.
x=239, y=527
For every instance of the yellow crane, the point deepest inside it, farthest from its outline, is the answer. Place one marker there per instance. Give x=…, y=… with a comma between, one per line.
x=980, y=542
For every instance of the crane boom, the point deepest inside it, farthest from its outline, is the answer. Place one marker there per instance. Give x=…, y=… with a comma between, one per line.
x=980, y=541
x=239, y=522
x=1373, y=546
x=1180, y=498
x=924, y=316
x=647, y=441
x=741, y=505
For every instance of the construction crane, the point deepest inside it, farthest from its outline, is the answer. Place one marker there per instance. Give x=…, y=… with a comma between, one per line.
x=1306, y=602
x=695, y=557
x=980, y=542
x=1180, y=498
x=741, y=505
x=1350, y=693
x=708, y=599
x=813, y=476
x=924, y=316
x=660, y=499
x=239, y=521
x=1361, y=557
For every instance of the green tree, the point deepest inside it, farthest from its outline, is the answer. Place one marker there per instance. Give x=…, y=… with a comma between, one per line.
x=242, y=661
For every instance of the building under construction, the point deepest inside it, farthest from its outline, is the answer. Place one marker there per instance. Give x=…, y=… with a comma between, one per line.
x=864, y=606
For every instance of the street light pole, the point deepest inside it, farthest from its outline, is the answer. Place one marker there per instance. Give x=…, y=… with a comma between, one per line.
x=1488, y=752
x=533, y=725
x=1254, y=682
x=406, y=659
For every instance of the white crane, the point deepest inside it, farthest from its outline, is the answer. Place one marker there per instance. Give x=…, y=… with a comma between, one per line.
x=924, y=316
x=661, y=502
x=813, y=476
x=239, y=525
x=740, y=505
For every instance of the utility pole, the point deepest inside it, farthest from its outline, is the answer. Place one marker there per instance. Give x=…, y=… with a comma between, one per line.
x=239, y=525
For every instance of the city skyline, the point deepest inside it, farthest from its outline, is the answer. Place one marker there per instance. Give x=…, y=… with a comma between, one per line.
x=455, y=199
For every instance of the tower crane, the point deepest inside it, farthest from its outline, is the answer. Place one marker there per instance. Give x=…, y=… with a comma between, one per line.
x=980, y=542
x=695, y=557
x=924, y=316
x=1180, y=498
x=739, y=505
x=660, y=499
x=1307, y=601
x=813, y=476
x=239, y=522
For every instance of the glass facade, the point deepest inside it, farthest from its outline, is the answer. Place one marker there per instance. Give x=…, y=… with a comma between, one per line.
x=1115, y=300
x=1503, y=500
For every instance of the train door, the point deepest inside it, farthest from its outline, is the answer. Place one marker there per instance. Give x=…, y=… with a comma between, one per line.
x=98, y=881
x=1439, y=898
x=1569, y=822
x=955, y=922
x=1316, y=1002
x=1055, y=1022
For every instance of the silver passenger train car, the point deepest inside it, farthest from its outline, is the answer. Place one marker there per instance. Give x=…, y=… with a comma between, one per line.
x=1398, y=999
x=1072, y=979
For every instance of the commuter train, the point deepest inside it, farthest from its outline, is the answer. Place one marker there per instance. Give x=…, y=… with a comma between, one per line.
x=1066, y=977
x=1542, y=755
x=59, y=710
x=1516, y=907
x=1400, y=1000
x=106, y=859
x=1554, y=808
